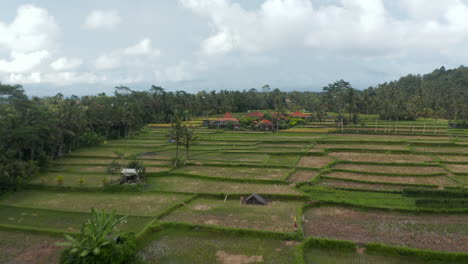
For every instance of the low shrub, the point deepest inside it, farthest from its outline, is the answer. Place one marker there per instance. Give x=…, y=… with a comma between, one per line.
x=99, y=242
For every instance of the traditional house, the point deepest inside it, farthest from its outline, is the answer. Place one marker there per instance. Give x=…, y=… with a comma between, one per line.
x=299, y=114
x=265, y=124
x=258, y=115
x=226, y=121
x=255, y=199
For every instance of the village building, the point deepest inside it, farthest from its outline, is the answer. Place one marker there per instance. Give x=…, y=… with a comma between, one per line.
x=299, y=114
x=129, y=175
x=255, y=199
x=226, y=121
x=258, y=115
x=265, y=124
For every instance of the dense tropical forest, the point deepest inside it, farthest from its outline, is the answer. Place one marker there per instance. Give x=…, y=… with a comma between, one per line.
x=34, y=131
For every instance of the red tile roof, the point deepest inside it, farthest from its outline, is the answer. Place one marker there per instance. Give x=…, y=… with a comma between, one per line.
x=228, y=117
x=299, y=114
x=256, y=114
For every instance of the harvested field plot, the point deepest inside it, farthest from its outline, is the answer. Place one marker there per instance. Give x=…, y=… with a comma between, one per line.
x=199, y=247
x=436, y=232
x=391, y=169
x=458, y=168
x=314, y=161
x=287, y=160
x=387, y=137
x=236, y=172
x=360, y=185
x=302, y=176
x=18, y=247
x=442, y=149
x=73, y=179
x=58, y=220
x=186, y=184
x=150, y=204
x=436, y=180
x=275, y=216
x=318, y=256
x=360, y=146
x=231, y=157
x=454, y=158
x=107, y=152
x=270, y=149
x=378, y=157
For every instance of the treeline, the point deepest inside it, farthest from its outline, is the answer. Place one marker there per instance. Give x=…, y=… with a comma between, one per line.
x=34, y=131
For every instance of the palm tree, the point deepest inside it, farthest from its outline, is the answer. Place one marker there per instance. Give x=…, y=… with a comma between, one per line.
x=188, y=138
x=177, y=133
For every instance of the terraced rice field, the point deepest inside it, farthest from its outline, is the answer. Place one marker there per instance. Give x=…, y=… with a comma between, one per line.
x=197, y=212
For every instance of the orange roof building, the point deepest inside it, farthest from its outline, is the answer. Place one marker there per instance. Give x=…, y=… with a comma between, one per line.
x=259, y=115
x=299, y=114
x=229, y=117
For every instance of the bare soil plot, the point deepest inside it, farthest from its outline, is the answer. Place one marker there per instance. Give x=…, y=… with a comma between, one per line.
x=288, y=160
x=442, y=149
x=377, y=157
x=270, y=149
x=426, y=231
x=275, y=216
x=302, y=176
x=148, y=204
x=437, y=180
x=18, y=247
x=454, y=158
x=458, y=168
x=386, y=137
x=236, y=172
x=199, y=247
x=361, y=146
x=463, y=179
x=231, y=157
x=391, y=169
x=284, y=145
x=361, y=185
x=186, y=184
x=314, y=161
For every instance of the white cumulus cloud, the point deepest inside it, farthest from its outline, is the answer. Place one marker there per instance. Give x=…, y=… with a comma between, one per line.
x=365, y=28
x=32, y=29
x=23, y=62
x=102, y=19
x=63, y=64
x=142, y=48
x=107, y=61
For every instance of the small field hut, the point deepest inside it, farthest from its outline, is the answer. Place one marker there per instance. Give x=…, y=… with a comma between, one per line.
x=255, y=199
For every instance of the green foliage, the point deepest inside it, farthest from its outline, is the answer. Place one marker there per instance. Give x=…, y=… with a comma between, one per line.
x=428, y=255
x=99, y=242
x=136, y=164
x=90, y=138
x=414, y=192
x=59, y=180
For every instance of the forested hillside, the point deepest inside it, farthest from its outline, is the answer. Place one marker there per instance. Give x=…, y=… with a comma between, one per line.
x=34, y=131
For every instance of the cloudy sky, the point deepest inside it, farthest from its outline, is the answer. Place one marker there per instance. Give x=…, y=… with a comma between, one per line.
x=87, y=46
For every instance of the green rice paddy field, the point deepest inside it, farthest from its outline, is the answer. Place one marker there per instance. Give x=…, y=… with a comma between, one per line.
x=406, y=190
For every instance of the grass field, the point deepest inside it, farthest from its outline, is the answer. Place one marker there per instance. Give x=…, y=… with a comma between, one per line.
x=301, y=166
x=191, y=185
x=275, y=216
x=198, y=247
